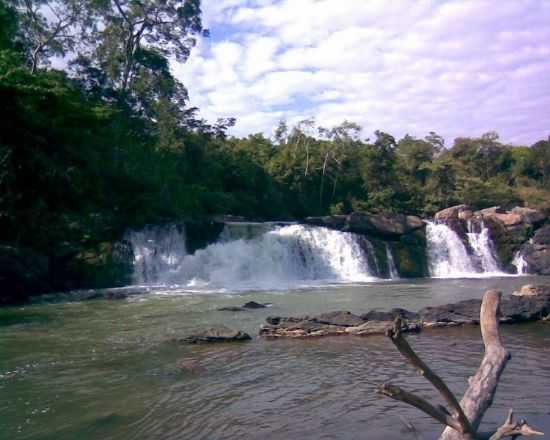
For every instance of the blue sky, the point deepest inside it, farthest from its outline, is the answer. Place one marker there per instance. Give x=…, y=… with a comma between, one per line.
x=460, y=67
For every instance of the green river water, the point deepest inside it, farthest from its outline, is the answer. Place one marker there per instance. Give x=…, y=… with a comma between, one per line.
x=106, y=369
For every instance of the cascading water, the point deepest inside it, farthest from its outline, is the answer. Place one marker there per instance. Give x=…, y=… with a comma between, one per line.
x=449, y=258
x=279, y=258
x=481, y=244
x=447, y=254
x=394, y=274
x=520, y=264
x=157, y=250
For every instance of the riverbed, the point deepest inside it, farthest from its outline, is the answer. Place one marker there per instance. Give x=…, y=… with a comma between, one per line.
x=106, y=369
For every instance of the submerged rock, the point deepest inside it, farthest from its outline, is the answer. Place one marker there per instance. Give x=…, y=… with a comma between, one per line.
x=216, y=334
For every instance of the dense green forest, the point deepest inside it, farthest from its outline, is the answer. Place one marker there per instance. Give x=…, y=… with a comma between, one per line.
x=110, y=141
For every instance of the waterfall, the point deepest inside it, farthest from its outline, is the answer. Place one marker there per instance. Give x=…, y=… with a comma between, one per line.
x=157, y=250
x=449, y=258
x=394, y=274
x=520, y=264
x=482, y=246
x=447, y=254
x=252, y=256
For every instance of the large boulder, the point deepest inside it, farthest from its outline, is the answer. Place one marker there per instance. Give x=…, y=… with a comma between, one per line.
x=106, y=264
x=536, y=252
x=22, y=273
x=391, y=226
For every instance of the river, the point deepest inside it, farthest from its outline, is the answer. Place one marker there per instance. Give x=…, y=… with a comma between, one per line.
x=105, y=369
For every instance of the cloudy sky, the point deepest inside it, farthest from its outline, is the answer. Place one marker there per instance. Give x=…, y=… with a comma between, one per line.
x=455, y=67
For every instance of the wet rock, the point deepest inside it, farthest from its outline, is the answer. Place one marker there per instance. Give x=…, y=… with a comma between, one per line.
x=377, y=225
x=523, y=308
x=342, y=319
x=537, y=252
x=216, y=334
x=254, y=305
x=532, y=290
x=513, y=309
x=375, y=315
x=509, y=230
x=338, y=323
x=463, y=312
x=250, y=305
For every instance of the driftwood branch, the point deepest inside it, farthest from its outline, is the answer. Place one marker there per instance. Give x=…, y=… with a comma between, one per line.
x=461, y=422
x=464, y=418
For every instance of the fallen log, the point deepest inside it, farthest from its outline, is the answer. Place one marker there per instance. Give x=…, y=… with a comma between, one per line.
x=462, y=419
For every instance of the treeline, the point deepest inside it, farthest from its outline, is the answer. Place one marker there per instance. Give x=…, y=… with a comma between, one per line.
x=110, y=142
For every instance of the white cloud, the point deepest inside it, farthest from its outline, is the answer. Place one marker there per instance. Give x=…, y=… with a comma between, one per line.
x=458, y=67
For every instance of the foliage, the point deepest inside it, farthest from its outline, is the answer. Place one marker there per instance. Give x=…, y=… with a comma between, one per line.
x=111, y=144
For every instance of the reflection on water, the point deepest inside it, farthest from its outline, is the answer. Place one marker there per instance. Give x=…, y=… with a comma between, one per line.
x=108, y=369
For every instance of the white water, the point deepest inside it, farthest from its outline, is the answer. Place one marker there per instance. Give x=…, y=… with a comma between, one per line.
x=157, y=250
x=449, y=258
x=482, y=246
x=280, y=258
x=394, y=274
x=520, y=264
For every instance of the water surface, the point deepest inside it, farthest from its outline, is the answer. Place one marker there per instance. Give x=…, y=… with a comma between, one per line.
x=110, y=370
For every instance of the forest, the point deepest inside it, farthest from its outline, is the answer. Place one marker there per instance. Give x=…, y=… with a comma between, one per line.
x=110, y=141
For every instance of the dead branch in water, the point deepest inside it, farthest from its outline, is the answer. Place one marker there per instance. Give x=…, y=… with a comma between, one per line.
x=462, y=419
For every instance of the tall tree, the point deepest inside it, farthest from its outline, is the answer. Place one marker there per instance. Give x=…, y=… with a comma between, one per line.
x=136, y=31
x=51, y=27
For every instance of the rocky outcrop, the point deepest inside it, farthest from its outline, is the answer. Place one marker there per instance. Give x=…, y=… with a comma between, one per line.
x=509, y=230
x=339, y=323
x=216, y=335
x=107, y=264
x=536, y=252
x=532, y=290
x=513, y=309
x=404, y=234
x=391, y=226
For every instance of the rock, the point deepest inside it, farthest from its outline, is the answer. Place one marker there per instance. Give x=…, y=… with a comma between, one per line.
x=250, y=305
x=254, y=305
x=525, y=308
x=530, y=215
x=381, y=327
x=513, y=309
x=452, y=213
x=232, y=309
x=377, y=225
x=532, y=290
x=342, y=319
x=337, y=222
x=537, y=252
x=542, y=236
x=22, y=273
x=375, y=315
x=463, y=312
x=216, y=334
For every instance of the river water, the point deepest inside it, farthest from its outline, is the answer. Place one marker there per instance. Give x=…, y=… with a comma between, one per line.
x=105, y=369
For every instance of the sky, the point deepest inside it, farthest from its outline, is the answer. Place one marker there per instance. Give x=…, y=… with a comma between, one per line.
x=459, y=68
